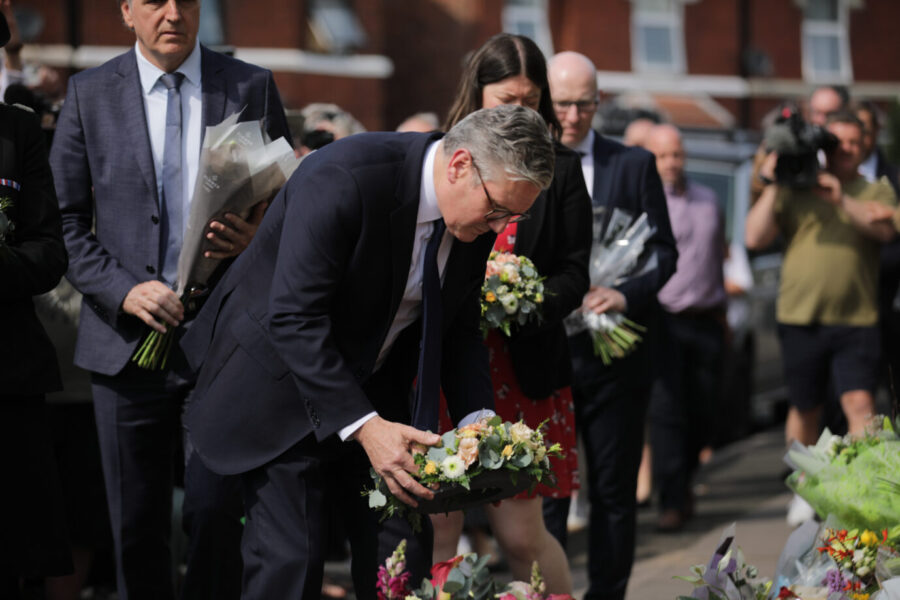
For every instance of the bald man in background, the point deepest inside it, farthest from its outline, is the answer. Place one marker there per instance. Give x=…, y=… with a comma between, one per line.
x=611, y=401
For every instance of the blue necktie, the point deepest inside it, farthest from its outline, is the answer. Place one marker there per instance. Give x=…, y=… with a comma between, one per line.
x=428, y=386
x=172, y=204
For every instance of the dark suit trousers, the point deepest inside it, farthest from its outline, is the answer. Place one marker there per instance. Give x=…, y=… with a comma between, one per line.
x=285, y=536
x=685, y=396
x=610, y=406
x=139, y=427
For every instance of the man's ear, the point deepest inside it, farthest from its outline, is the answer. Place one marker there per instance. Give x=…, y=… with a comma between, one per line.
x=458, y=165
x=125, y=7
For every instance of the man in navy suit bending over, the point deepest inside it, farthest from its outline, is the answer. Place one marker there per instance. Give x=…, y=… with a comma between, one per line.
x=310, y=343
x=125, y=157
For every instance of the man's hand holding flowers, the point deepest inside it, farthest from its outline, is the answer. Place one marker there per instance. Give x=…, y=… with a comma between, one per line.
x=601, y=299
x=233, y=237
x=154, y=303
x=388, y=446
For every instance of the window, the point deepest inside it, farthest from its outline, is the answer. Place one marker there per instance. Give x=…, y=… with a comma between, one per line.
x=211, y=32
x=657, y=36
x=334, y=27
x=529, y=18
x=826, y=48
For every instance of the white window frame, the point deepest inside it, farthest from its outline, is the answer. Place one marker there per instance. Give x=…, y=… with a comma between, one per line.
x=535, y=14
x=839, y=30
x=673, y=20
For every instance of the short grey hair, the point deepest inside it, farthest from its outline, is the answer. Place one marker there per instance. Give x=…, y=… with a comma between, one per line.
x=511, y=139
x=344, y=123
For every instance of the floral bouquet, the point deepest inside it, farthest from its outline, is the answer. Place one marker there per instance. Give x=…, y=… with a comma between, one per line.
x=239, y=168
x=614, y=257
x=482, y=462
x=856, y=480
x=465, y=577
x=727, y=577
x=855, y=555
x=512, y=293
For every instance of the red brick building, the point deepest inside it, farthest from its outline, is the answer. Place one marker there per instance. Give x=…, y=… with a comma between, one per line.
x=704, y=63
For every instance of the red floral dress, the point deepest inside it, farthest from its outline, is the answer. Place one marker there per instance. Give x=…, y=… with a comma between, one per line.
x=512, y=405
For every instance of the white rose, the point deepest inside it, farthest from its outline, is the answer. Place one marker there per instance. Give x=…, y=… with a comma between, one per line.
x=520, y=433
x=510, y=303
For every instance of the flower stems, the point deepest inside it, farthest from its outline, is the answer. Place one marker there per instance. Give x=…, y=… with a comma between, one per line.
x=618, y=340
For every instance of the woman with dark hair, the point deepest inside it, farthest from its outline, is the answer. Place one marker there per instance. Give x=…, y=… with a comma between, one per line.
x=531, y=371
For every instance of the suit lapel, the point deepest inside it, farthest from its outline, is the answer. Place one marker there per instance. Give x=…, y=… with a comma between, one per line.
x=133, y=119
x=214, y=91
x=602, y=166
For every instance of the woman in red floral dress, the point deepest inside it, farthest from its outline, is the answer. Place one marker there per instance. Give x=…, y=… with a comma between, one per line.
x=531, y=370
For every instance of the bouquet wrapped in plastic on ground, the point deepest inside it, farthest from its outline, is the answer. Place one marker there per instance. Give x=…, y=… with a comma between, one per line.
x=239, y=168
x=465, y=577
x=855, y=480
x=485, y=461
x=614, y=257
x=512, y=294
x=830, y=562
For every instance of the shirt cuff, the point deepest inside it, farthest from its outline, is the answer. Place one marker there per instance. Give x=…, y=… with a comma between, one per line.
x=350, y=429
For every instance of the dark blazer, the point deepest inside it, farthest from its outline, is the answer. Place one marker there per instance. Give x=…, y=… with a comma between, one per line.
x=101, y=145
x=626, y=178
x=32, y=260
x=557, y=238
x=287, y=343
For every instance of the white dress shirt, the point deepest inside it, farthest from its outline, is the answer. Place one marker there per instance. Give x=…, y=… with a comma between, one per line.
x=869, y=166
x=155, y=101
x=586, y=149
x=410, y=308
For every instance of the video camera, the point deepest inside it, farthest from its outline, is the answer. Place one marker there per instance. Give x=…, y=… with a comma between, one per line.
x=797, y=144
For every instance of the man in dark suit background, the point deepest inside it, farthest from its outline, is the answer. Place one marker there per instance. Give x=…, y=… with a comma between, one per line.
x=611, y=402
x=125, y=157
x=311, y=340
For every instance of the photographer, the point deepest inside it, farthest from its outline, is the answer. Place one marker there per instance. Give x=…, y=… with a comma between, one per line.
x=827, y=309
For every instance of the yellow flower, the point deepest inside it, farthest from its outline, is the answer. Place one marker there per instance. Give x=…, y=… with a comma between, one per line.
x=490, y=297
x=869, y=538
x=507, y=451
x=430, y=467
x=466, y=433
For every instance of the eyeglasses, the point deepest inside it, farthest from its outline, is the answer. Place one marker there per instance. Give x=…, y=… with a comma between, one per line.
x=582, y=106
x=497, y=212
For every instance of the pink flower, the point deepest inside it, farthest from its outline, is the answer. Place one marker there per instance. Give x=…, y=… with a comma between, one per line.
x=468, y=450
x=440, y=571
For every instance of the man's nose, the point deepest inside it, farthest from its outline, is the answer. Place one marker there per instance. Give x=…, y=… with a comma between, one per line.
x=498, y=225
x=173, y=10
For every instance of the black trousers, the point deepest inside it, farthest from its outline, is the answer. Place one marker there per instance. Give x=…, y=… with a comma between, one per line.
x=138, y=416
x=686, y=394
x=610, y=406
x=284, y=539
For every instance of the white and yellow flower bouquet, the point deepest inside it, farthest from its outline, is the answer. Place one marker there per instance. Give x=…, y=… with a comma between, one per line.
x=481, y=462
x=512, y=293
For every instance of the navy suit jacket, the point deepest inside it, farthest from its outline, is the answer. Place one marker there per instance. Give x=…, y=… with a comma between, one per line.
x=105, y=181
x=287, y=343
x=626, y=178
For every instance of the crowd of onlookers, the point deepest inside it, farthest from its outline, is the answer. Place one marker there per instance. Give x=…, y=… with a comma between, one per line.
x=644, y=424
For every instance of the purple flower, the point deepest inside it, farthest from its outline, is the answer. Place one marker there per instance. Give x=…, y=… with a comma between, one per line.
x=834, y=580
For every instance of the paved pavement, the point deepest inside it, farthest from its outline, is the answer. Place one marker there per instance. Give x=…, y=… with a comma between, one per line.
x=742, y=483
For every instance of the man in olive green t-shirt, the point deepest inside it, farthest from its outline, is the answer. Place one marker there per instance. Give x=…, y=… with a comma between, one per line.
x=827, y=307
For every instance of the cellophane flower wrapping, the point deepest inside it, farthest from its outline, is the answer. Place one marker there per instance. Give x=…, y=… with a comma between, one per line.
x=512, y=294
x=239, y=168
x=615, y=256
x=856, y=481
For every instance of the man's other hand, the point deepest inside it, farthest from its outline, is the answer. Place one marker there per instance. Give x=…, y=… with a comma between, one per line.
x=233, y=238
x=603, y=299
x=154, y=303
x=388, y=446
x=828, y=187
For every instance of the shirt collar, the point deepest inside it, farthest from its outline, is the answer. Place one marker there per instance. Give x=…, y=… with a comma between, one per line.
x=428, y=204
x=587, y=144
x=150, y=73
x=869, y=167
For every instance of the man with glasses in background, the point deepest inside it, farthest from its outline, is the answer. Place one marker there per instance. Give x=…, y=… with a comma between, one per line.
x=611, y=401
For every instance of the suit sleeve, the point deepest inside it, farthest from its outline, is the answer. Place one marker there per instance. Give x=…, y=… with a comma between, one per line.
x=36, y=260
x=660, y=255
x=568, y=280
x=92, y=270
x=313, y=255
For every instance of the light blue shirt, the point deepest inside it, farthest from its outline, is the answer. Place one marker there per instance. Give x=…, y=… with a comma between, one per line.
x=155, y=100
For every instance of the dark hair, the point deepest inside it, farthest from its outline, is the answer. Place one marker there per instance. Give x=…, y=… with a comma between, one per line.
x=844, y=116
x=869, y=107
x=504, y=55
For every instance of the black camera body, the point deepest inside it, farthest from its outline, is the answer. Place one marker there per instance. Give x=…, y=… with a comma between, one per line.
x=797, y=144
